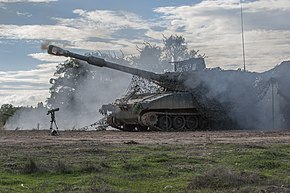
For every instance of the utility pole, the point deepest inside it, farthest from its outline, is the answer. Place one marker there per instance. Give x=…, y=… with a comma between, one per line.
x=243, y=39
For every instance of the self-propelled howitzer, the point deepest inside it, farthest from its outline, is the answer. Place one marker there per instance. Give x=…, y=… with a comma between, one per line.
x=182, y=106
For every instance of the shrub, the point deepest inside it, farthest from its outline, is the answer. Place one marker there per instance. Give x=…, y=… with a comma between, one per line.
x=220, y=178
x=31, y=167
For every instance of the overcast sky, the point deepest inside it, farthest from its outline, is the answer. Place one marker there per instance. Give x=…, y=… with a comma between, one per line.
x=211, y=26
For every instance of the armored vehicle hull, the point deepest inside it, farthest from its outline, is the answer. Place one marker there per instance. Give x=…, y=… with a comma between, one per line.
x=168, y=111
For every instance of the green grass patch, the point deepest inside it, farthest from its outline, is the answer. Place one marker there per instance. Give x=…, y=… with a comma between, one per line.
x=87, y=167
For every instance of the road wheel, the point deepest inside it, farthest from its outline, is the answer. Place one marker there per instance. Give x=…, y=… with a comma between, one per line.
x=192, y=123
x=179, y=123
x=165, y=123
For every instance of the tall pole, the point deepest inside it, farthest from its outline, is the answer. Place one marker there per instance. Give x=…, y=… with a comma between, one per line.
x=243, y=39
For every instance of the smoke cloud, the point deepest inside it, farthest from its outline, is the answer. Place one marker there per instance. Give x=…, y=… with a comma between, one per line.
x=101, y=86
x=44, y=45
x=253, y=98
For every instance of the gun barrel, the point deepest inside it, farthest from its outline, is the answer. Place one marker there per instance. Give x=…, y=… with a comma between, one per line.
x=54, y=50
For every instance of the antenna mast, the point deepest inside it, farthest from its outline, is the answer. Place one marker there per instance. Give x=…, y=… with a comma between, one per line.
x=243, y=39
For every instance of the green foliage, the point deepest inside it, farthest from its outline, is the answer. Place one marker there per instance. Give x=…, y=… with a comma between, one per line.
x=150, y=58
x=70, y=76
x=175, y=47
x=6, y=111
x=156, y=58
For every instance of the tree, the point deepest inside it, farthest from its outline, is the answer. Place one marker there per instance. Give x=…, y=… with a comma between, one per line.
x=175, y=48
x=70, y=75
x=149, y=57
x=6, y=111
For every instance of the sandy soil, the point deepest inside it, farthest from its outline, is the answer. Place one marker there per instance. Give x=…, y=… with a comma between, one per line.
x=117, y=137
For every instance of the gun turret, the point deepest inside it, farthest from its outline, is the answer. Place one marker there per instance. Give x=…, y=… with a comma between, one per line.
x=171, y=80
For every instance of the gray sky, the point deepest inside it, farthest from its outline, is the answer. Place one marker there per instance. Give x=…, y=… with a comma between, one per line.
x=211, y=26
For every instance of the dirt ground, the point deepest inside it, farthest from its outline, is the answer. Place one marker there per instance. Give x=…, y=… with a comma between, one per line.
x=118, y=137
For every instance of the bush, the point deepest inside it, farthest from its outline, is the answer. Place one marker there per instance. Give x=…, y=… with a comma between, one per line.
x=220, y=178
x=31, y=167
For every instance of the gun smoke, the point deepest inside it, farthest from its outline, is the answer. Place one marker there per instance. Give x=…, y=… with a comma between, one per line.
x=256, y=100
x=79, y=110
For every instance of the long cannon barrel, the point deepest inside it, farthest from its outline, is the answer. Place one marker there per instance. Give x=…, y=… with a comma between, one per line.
x=54, y=50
